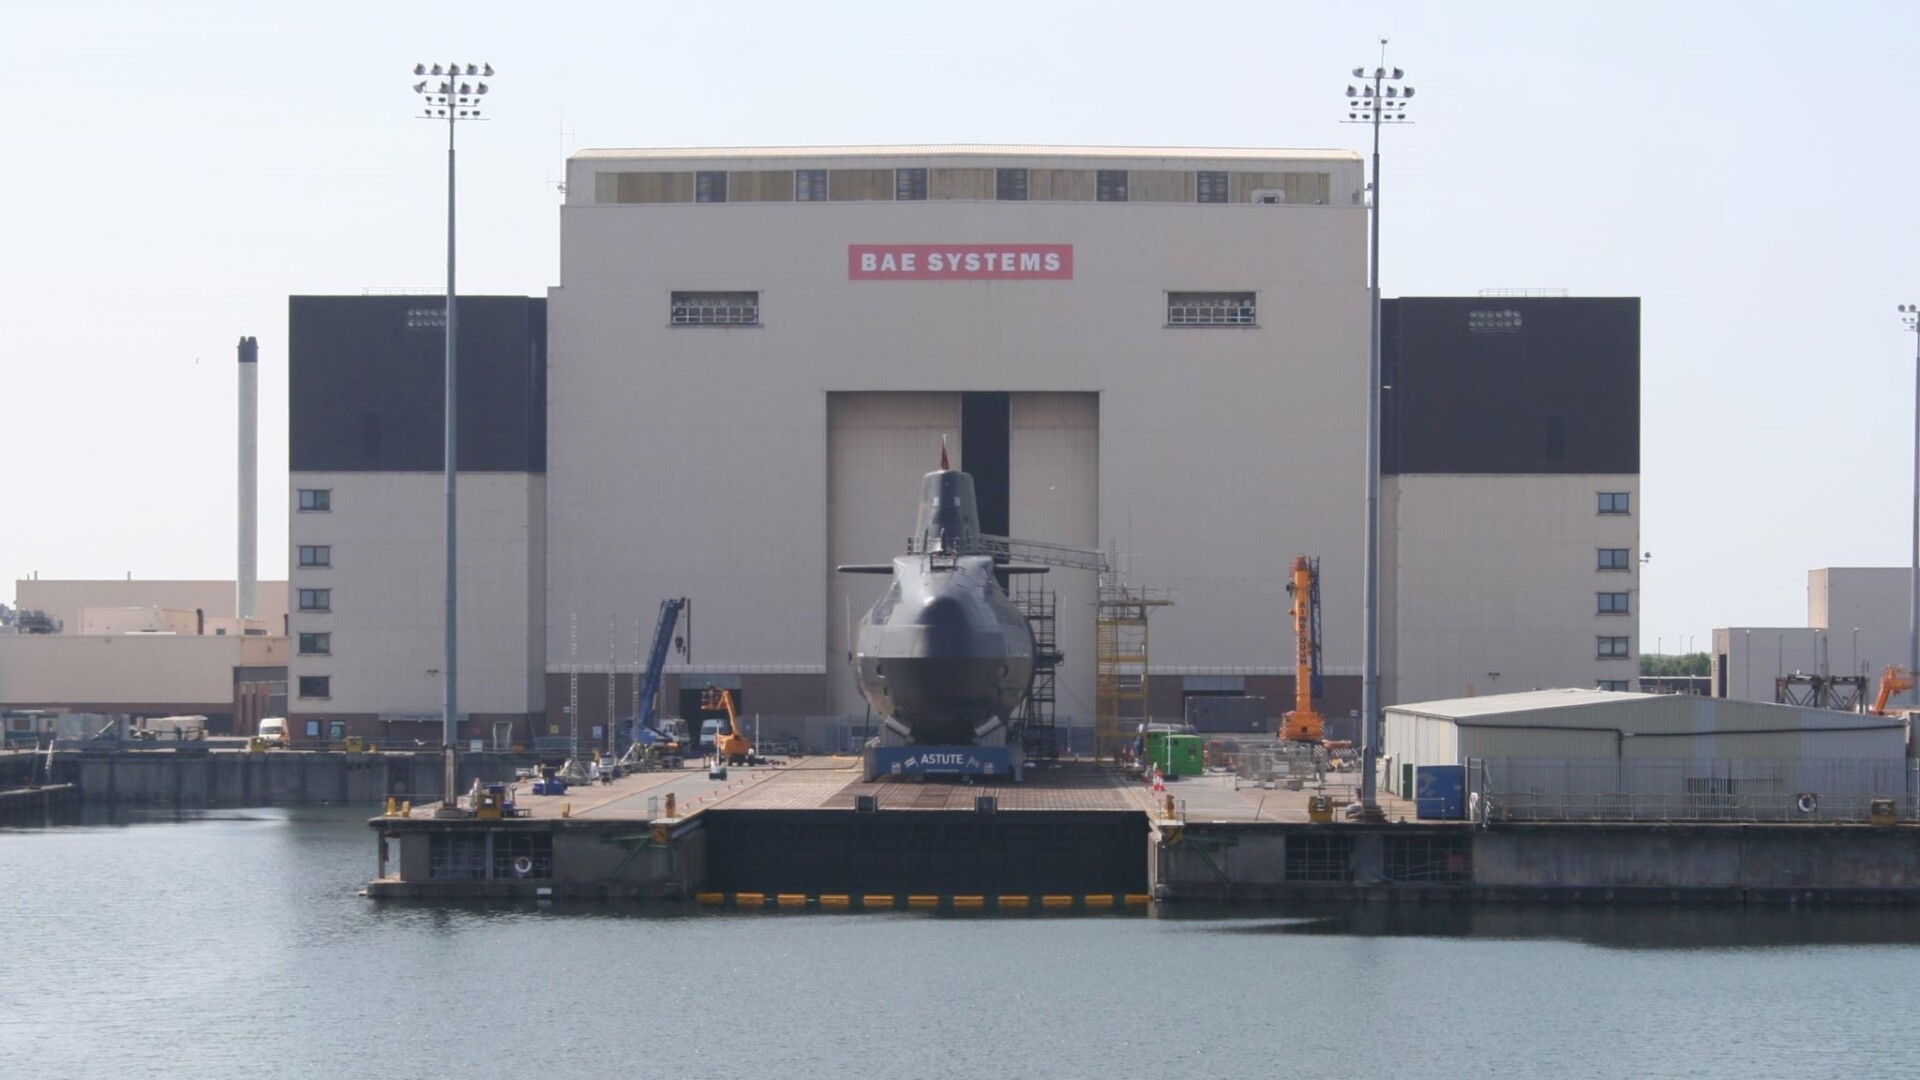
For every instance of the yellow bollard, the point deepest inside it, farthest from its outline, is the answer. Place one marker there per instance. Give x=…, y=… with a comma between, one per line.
x=566, y=809
x=390, y=805
x=406, y=808
x=670, y=802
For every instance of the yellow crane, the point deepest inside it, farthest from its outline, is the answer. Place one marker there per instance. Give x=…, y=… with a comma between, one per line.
x=1304, y=723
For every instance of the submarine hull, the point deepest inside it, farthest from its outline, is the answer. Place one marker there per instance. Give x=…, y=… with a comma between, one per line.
x=944, y=655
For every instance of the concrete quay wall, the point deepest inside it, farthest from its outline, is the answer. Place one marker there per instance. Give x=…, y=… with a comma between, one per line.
x=1558, y=862
x=276, y=778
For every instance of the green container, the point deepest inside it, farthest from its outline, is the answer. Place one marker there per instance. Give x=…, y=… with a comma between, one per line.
x=1176, y=754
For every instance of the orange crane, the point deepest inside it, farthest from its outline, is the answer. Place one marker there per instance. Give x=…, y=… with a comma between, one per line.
x=731, y=746
x=1304, y=723
x=1894, y=680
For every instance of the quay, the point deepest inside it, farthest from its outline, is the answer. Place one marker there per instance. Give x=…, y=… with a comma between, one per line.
x=813, y=835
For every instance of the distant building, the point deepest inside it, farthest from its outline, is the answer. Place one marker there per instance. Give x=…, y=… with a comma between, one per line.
x=145, y=649
x=1856, y=625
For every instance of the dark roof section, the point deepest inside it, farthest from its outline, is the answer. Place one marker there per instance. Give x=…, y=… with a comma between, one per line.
x=366, y=383
x=1510, y=385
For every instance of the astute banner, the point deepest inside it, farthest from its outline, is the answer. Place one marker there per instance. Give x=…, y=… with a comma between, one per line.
x=959, y=262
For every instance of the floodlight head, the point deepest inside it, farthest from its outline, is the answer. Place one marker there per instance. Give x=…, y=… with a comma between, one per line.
x=487, y=70
x=1397, y=73
x=473, y=69
x=420, y=87
x=419, y=69
x=481, y=89
x=1406, y=92
x=436, y=70
x=1351, y=92
x=1359, y=73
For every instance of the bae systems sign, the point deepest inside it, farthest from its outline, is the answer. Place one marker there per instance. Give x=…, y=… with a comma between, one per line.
x=959, y=262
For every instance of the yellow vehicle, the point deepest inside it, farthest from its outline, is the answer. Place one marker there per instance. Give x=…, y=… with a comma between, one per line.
x=730, y=745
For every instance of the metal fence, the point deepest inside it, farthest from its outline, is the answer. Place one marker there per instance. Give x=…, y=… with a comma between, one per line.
x=1680, y=789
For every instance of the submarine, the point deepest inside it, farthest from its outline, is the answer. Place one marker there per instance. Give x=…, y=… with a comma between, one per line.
x=943, y=656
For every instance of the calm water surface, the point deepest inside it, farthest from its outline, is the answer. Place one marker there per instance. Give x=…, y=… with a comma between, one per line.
x=233, y=945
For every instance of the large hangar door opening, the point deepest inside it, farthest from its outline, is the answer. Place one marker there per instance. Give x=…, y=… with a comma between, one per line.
x=1054, y=495
x=879, y=445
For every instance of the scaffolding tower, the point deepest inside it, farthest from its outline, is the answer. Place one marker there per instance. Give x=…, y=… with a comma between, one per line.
x=1039, y=738
x=1120, y=646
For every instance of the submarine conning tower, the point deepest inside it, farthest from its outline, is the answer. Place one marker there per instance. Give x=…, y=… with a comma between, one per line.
x=949, y=516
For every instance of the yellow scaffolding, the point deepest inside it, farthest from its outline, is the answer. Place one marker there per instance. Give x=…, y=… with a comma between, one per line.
x=1120, y=646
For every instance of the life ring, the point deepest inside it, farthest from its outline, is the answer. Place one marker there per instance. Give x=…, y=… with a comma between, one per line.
x=1808, y=803
x=523, y=866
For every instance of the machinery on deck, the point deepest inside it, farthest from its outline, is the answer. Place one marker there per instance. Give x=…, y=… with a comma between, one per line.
x=659, y=744
x=1305, y=724
x=731, y=745
x=1894, y=680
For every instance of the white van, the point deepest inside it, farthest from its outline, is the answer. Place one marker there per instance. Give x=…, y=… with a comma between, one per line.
x=273, y=730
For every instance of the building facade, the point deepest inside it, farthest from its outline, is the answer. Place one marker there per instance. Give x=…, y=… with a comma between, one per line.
x=1510, y=539
x=753, y=355
x=366, y=541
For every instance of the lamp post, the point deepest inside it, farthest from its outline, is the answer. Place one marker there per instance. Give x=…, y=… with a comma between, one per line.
x=447, y=97
x=1373, y=102
x=1910, y=318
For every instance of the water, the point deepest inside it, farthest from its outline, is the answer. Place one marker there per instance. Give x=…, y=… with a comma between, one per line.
x=233, y=945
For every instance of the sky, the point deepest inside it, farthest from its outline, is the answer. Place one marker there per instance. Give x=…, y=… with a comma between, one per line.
x=172, y=173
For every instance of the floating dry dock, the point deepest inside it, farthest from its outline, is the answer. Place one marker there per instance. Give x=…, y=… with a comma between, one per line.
x=1081, y=837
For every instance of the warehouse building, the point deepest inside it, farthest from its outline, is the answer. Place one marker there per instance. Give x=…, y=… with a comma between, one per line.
x=1157, y=354
x=1579, y=753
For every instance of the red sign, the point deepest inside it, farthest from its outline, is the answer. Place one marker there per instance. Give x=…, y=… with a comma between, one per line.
x=959, y=262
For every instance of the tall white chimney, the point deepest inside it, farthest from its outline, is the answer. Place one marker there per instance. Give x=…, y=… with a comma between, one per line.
x=245, y=605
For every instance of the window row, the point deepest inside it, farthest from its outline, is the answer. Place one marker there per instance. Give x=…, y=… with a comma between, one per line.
x=916, y=184
x=316, y=500
x=316, y=686
x=1614, y=502
x=315, y=555
x=743, y=309
x=1612, y=648
x=314, y=600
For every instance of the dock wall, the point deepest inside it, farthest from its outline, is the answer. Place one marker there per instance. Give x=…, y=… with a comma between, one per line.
x=1579, y=862
x=271, y=779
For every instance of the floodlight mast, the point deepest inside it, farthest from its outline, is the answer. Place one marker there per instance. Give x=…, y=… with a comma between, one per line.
x=448, y=98
x=1375, y=101
x=1910, y=317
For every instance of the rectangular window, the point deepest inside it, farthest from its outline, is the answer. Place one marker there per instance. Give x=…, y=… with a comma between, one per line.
x=1613, y=559
x=1210, y=309
x=1613, y=603
x=316, y=555
x=1611, y=648
x=316, y=499
x=1010, y=185
x=1613, y=502
x=316, y=644
x=810, y=185
x=710, y=187
x=1212, y=187
x=316, y=686
x=909, y=185
x=715, y=309
x=316, y=599
x=1620, y=686
x=1111, y=185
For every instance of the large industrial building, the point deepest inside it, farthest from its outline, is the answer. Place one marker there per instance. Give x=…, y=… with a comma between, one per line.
x=753, y=355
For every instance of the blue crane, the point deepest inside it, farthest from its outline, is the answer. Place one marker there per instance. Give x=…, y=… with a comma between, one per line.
x=644, y=731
